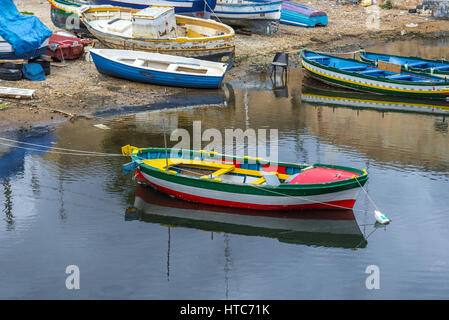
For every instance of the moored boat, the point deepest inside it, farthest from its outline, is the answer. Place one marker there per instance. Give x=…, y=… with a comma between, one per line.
x=196, y=8
x=65, y=15
x=384, y=78
x=251, y=183
x=161, y=69
x=258, y=16
x=158, y=29
x=336, y=228
x=438, y=68
x=297, y=14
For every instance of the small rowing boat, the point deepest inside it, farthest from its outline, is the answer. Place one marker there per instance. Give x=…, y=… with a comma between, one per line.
x=437, y=68
x=158, y=29
x=196, y=8
x=385, y=78
x=258, y=16
x=65, y=15
x=297, y=14
x=251, y=183
x=161, y=69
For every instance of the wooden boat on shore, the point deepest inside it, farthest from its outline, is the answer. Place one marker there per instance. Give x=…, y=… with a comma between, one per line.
x=196, y=8
x=384, y=78
x=336, y=228
x=161, y=69
x=297, y=14
x=158, y=29
x=258, y=16
x=251, y=183
x=65, y=15
x=437, y=68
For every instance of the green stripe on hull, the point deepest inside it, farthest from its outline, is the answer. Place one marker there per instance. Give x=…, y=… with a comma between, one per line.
x=375, y=90
x=282, y=190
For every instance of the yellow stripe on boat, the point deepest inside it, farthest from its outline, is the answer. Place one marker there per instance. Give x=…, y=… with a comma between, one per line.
x=444, y=90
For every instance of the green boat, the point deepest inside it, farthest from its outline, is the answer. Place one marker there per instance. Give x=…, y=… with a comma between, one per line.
x=65, y=15
x=385, y=78
x=250, y=183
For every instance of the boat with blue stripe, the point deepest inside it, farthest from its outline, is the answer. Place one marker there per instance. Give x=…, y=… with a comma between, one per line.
x=160, y=69
x=197, y=8
x=384, y=78
x=438, y=68
x=297, y=14
x=259, y=16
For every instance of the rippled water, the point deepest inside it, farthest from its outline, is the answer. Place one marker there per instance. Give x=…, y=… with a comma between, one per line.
x=130, y=242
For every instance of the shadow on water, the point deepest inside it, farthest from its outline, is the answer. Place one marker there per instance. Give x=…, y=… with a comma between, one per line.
x=327, y=228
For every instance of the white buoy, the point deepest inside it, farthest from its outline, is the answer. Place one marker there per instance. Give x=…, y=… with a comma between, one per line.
x=380, y=217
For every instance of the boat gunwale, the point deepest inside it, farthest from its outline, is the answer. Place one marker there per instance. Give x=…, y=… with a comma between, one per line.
x=417, y=70
x=221, y=76
x=351, y=183
x=440, y=82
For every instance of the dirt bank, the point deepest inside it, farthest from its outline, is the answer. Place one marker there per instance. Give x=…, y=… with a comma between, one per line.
x=77, y=88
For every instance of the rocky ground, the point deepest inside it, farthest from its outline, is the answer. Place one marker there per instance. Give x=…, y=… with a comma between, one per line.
x=77, y=89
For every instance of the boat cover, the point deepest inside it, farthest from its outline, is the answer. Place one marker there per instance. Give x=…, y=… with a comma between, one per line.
x=25, y=33
x=33, y=72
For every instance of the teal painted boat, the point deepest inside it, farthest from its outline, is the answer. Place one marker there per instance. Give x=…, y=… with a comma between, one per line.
x=362, y=76
x=300, y=15
x=249, y=183
x=437, y=68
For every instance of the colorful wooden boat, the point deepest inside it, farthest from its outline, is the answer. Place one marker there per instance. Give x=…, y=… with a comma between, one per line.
x=362, y=100
x=257, y=16
x=297, y=14
x=437, y=68
x=156, y=68
x=337, y=228
x=196, y=8
x=384, y=78
x=7, y=52
x=158, y=29
x=211, y=178
x=65, y=15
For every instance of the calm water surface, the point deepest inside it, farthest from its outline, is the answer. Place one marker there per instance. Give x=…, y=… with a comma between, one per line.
x=129, y=242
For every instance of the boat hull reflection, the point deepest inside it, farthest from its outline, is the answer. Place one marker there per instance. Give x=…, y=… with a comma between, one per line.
x=336, y=228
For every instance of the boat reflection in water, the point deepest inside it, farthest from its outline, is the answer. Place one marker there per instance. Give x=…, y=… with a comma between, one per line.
x=336, y=228
x=372, y=101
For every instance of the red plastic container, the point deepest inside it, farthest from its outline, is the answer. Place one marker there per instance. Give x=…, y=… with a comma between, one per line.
x=66, y=48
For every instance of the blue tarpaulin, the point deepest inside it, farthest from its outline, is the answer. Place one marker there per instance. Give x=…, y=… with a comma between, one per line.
x=33, y=72
x=24, y=33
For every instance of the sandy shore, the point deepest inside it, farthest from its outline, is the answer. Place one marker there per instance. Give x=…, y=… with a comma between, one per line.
x=77, y=89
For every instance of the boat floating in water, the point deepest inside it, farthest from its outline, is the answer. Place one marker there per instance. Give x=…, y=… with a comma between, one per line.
x=297, y=14
x=250, y=183
x=161, y=69
x=158, y=29
x=437, y=68
x=196, y=8
x=336, y=228
x=384, y=78
x=258, y=16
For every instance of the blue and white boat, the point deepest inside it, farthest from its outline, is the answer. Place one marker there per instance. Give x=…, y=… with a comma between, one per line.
x=7, y=52
x=297, y=14
x=438, y=68
x=161, y=69
x=196, y=8
x=258, y=16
